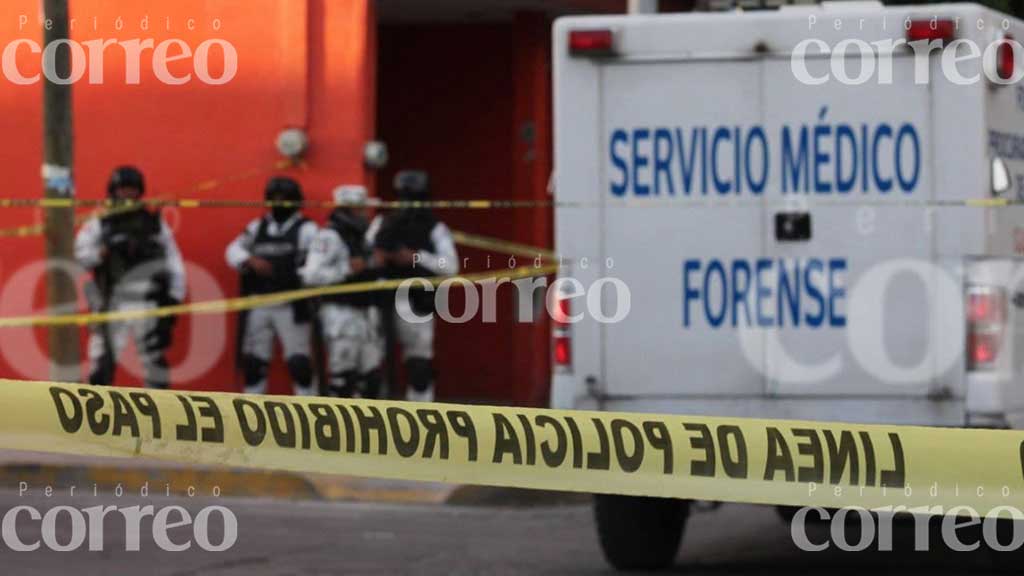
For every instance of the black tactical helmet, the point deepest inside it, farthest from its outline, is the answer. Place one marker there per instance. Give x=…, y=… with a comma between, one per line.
x=283, y=188
x=412, y=185
x=126, y=177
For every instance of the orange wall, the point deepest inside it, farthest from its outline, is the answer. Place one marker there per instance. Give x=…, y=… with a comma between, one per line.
x=300, y=62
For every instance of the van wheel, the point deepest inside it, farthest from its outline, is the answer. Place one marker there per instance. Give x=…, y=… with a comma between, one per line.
x=1009, y=560
x=787, y=513
x=640, y=533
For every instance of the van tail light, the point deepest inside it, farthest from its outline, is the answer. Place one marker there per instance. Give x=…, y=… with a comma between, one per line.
x=591, y=43
x=561, y=332
x=1006, y=60
x=986, y=326
x=931, y=29
x=563, y=351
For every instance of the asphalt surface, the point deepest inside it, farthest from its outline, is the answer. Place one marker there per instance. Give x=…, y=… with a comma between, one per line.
x=313, y=538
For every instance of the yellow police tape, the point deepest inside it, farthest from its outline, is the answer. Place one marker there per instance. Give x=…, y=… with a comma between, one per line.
x=105, y=207
x=503, y=246
x=477, y=204
x=489, y=204
x=108, y=207
x=40, y=229
x=929, y=470
x=484, y=204
x=263, y=300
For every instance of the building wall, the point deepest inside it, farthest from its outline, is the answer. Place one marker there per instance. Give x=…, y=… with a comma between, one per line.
x=300, y=63
x=470, y=104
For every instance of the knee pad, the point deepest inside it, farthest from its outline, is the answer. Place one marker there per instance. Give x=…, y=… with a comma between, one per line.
x=103, y=373
x=254, y=369
x=301, y=369
x=345, y=384
x=420, y=372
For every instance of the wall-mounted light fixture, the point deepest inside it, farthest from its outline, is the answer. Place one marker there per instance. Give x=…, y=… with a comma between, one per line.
x=375, y=154
x=292, y=143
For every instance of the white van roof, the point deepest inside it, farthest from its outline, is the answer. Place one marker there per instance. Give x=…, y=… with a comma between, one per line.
x=732, y=33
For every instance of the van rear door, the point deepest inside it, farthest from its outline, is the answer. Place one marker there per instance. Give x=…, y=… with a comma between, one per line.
x=858, y=175
x=775, y=236
x=655, y=118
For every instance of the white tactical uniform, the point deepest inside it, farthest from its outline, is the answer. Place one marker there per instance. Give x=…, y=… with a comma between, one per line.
x=417, y=338
x=130, y=293
x=263, y=324
x=354, y=346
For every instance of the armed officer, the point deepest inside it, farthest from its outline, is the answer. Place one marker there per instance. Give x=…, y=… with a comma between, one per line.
x=412, y=242
x=135, y=265
x=268, y=255
x=348, y=322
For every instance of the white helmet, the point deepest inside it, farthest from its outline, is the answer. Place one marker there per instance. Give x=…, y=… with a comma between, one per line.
x=350, y=195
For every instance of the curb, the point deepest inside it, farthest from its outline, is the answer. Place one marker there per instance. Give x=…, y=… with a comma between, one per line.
x=135, y=478
x=157, y=481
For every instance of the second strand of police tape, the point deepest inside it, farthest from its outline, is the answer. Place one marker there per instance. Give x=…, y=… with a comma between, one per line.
x=108, y=207
x=923, y=470
x=263, y=300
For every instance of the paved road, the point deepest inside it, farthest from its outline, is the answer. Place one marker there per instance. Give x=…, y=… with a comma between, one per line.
x=279, y=538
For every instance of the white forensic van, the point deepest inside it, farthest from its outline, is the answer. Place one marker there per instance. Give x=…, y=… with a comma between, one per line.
x=808, y=212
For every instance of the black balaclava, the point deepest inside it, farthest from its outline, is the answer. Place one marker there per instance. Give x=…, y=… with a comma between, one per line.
x=283, y=189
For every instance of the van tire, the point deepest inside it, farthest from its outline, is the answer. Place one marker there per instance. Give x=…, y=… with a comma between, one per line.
x=640, y=533
x=787, y=513
x=1009, y=561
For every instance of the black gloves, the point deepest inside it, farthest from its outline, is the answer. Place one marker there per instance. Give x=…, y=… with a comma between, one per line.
x=159, y=338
